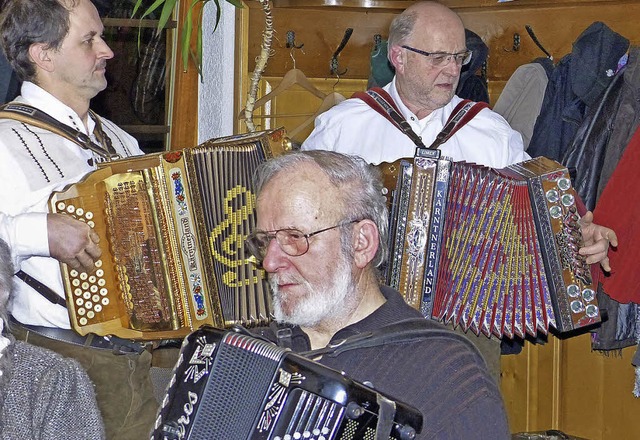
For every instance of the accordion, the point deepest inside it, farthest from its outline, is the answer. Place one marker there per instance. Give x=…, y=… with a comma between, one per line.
x=229, y=385
x=492, y=250
x=172, y=229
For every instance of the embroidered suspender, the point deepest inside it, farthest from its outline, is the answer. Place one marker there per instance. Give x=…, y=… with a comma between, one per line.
x=379, y=100
x=31, y=115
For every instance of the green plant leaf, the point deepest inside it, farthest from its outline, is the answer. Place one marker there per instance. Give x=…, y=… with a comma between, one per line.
x=218, y=12
x=187, y=29
x=168, y=8
x=155, y=5
x=167, y=11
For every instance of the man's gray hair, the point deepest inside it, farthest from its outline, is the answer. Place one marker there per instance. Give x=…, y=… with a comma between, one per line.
x=401, y=28
x=359, y=185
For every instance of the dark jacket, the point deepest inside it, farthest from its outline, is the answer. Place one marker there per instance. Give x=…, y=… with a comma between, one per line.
x=585, y=154
x=471, y=85
x=577, y=82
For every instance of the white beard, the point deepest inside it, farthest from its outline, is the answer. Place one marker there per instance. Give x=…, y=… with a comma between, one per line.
x=329, y=301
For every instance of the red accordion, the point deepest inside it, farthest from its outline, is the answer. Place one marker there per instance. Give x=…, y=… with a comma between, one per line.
x=491, y=250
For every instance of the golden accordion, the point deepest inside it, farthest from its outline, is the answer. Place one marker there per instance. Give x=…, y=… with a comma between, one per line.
x=172, y=229
x=491, y=250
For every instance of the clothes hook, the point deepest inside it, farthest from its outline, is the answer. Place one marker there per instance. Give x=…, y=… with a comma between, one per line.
x=535, y=40
x=291, y=44
x=516, y=44
x=377, y=42
x=334, y=59
x=291, y=41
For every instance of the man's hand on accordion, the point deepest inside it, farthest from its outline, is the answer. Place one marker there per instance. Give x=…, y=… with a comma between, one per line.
x=72, y=242
x=597, y=239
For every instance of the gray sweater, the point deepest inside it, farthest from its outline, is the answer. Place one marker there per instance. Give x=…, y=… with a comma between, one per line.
x=45, y=396
x=443, y=376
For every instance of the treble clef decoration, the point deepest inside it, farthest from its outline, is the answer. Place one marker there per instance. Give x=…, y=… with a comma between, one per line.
x=238, y=206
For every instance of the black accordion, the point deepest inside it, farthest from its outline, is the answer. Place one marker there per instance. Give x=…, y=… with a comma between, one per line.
x=229, y=385
x=492, y=250
x=172, y=229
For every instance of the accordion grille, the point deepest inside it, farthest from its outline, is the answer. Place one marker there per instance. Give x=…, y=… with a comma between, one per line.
x=225, y=181
x=230, y=391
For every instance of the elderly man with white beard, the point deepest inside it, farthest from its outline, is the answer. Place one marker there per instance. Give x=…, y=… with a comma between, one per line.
x=322, y=226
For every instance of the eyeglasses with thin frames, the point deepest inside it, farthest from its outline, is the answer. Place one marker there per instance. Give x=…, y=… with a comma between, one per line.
x=442, y=59
x=293, y=242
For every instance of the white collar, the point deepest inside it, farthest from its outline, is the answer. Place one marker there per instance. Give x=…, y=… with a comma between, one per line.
x=36, y=96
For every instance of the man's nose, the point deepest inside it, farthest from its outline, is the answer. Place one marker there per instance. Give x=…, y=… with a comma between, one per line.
x=453, y=67
x=274, y=257
x=104, y=50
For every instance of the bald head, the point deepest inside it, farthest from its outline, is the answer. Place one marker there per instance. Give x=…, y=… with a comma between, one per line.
x=424, y=17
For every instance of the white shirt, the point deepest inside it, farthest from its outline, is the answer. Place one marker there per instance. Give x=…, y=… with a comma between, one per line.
x=33, y=164
x=352, y=127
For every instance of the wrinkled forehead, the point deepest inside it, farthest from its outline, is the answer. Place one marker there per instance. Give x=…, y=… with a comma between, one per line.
x=298, y=197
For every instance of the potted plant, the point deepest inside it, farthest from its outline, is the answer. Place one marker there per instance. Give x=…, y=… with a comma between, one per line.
x=167, y=9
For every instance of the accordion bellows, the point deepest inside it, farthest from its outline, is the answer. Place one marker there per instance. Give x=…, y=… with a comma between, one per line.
x=494, y=251
x=172, y=229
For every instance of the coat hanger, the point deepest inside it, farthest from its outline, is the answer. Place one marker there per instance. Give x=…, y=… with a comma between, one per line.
x=292, y=77
x=329, y=101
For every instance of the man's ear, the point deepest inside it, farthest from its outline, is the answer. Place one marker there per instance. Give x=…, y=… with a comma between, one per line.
x=366, y=241
x=40, y=55
x=397, y=57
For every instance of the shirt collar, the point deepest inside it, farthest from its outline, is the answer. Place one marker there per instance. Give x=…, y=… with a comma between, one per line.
x=38, y=97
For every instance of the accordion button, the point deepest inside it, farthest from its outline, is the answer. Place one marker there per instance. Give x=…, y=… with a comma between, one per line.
x=591, y=311
x=588, y=295
x=573, y=290
x=90, y=162
x=577, y=306
x=552, y=196
x=564, y=184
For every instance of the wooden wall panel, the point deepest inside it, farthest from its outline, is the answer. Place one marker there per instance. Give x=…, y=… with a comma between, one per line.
x=557, y=25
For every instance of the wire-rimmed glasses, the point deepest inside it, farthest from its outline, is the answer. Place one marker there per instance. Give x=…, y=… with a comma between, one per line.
x=293, y=242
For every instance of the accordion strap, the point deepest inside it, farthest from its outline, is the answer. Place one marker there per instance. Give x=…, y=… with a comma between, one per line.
x=42, y=289
x=30, y=115
x=379, y=100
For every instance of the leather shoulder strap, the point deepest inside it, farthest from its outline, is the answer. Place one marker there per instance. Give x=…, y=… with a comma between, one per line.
x=462, y=113
x=379, y=100
x=41, y=288
x=30, y=115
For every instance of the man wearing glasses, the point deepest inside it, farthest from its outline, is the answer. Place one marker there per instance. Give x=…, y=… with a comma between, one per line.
x=426, y=46
x=321, y=235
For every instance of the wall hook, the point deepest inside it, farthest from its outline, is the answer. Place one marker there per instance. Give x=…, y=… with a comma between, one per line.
x=334, y=59
x=291, y=41
x=516, y=44
x=535, y=40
